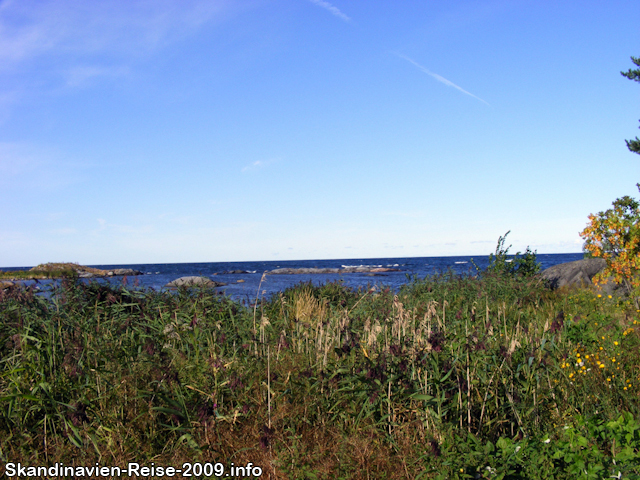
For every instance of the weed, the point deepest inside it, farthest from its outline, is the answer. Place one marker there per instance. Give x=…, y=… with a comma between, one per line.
x=452, y=377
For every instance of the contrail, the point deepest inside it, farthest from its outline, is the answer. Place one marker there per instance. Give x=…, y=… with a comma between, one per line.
x=438, y=77
x=333, y=10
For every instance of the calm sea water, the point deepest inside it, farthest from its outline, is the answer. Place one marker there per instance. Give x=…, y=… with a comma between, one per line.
x=156, y=276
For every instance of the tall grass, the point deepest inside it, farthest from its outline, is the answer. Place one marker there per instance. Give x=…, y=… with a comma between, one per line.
x=452, y=377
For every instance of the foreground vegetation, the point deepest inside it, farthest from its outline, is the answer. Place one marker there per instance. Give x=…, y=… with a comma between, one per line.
x=487, y=377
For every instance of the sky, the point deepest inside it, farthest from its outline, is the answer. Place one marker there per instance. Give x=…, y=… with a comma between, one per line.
x=167, y=131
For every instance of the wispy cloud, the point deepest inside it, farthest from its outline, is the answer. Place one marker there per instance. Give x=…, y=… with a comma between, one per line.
x=29, y=28
x=70, y=44
x=120, y=229
x=405, y=214
x=81, y=74
x=64, y=231
x=254, y=166
x=333, y=10
x=259, y=164
x=439, y=78
x=32, y=167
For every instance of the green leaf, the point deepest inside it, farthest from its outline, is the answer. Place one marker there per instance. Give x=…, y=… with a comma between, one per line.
x=503, y=443
x=426, y=398
x=488, y=448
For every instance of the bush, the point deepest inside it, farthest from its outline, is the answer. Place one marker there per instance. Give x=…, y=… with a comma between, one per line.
x=517, y=266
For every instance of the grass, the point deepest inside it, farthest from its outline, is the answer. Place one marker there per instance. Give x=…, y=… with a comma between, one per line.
x=453, y=377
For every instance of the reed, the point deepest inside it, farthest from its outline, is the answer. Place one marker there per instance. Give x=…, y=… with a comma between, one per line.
x=451, y=377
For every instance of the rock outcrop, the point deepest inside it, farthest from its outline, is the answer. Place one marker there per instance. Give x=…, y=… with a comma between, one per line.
x=108, y=273
x=296, y=271
x=54, y=270
x=194, y=282
x=124, y=271
x=579, y=273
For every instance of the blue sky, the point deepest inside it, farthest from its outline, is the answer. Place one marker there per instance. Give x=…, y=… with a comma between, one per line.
x=166, y=131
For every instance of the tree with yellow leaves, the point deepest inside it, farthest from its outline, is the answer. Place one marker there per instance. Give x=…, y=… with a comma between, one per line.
x=614, y=235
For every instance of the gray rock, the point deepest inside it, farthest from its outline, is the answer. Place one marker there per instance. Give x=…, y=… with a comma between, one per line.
x=82, y=274
x=194, y=282
x=6, y=284
x=125, y=271
x=579, y=273
x=297, y=271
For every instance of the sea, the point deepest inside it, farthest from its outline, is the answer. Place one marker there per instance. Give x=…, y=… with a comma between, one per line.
x=246, y=287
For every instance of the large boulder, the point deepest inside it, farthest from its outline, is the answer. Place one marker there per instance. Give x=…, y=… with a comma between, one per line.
x=194, y=282
x=579, y=273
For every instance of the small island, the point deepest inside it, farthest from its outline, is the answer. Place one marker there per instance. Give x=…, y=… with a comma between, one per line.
x=63, y=270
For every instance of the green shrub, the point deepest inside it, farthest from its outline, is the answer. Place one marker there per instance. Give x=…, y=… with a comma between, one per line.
x=500, y=262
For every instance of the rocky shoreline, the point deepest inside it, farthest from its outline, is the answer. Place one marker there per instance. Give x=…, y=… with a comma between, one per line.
x=118, y=272
x=297, y=271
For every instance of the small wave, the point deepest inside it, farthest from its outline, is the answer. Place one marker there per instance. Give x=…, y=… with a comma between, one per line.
x=458, y=263
x=356, y=266
x=251, y=271
x=393, y=265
